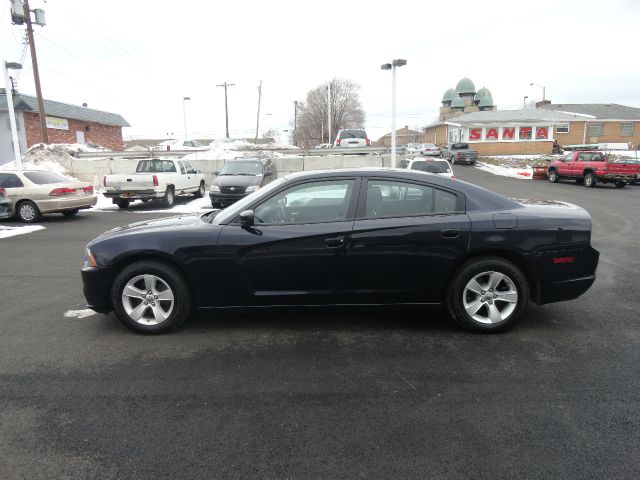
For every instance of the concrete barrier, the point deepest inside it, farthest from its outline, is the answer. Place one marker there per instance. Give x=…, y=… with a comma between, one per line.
x=93, y=169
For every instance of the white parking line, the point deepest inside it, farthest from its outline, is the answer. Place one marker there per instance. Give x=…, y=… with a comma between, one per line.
x=87, y=312
x=6, y=232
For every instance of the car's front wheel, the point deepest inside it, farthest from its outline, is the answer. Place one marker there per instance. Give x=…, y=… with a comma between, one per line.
x=487, y=294
x=28, y=212
x=151, y=297
x=552, y=176
x=200, y=192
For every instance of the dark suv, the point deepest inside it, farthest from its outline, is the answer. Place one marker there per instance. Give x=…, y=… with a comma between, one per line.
x=238, y=178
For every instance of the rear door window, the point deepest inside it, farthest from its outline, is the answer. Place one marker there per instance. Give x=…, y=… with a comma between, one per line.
x=44, y=178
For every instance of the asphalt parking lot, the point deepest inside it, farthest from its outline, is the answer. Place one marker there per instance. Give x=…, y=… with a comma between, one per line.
x=364, y=393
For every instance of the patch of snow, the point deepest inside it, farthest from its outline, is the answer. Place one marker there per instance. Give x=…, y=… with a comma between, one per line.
x=87, y=312
x=6, y=232
x=521, y=173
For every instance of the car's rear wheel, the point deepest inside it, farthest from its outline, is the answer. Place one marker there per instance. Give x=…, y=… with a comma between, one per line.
x=71, y=212
x=151, y=297
x=487, y=294
x=621, y=184
x=122, y=203
x=169, y=197
x=589, y=180
x=28, y=212
x=200, y=192
x=552, y=176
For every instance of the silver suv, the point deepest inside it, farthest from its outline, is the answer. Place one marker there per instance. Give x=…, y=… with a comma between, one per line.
x=352, y=137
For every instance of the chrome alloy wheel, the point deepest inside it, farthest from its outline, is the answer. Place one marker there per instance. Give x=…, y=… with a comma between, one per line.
x=490, y=297
x=147, y=299
x=27, y=212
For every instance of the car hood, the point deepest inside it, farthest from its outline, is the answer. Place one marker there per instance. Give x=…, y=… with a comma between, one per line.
x=237, y=180
x=169, y=223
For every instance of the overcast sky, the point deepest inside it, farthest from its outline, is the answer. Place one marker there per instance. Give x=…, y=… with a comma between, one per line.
x=140, y=58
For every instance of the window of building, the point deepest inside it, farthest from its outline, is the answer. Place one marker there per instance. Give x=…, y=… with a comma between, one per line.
x=562, y=128
x=525, y=133
x=626, y=129
x=595, y=129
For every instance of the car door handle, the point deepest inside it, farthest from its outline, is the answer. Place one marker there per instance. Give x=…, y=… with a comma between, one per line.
x=334, y=242
x=450, y=232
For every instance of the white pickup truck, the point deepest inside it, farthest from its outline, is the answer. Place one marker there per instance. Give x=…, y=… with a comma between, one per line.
x=155, y=178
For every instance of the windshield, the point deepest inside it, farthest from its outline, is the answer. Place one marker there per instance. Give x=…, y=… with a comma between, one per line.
x=43, y=178
x=431, y=167
x=242, y=168
x=241, y=205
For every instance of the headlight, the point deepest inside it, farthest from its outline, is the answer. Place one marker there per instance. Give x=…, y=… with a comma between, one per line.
x=89, y=261
x=215, y=188
x=252, y=188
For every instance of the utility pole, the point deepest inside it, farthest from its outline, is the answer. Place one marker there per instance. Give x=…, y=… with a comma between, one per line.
x=329, y=112
x=258, y=116
x=36, y=73
x=226, y=105
x=295, y=123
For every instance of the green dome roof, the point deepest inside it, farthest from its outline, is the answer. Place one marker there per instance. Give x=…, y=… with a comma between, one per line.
x=458, y=102
x=449, y=95
x=484, y=91
x=486, y=101
x=465, y=86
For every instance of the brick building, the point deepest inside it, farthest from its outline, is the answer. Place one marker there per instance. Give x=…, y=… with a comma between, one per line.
x=533, y=131
x=403, y=136
x=66, y=123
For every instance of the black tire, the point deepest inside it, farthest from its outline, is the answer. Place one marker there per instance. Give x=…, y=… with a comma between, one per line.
x=491, y=301
x=452, y=160
x=589, y=180
x=200, y=192
x=122, y=203
x=552, y=176
x=169, y=198
x=28, y=212
x=70, y=213
x=166, y=275
x=621, y=184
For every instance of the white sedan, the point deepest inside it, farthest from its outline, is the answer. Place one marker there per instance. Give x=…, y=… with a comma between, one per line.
x=34, y=192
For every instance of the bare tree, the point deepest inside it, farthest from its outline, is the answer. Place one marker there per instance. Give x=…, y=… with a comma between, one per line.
x=346, y=112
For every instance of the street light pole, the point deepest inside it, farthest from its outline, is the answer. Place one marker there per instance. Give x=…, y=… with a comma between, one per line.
x=524, y=101
x=540, y=86
x=184, y=115
x=12, y=114
x=392, y=66
x=295, y=123
x=226, y=105
x=36, y=73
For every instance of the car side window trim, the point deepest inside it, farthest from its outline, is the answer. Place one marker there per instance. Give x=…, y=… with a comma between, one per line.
x=351, y=209
x=362, y=199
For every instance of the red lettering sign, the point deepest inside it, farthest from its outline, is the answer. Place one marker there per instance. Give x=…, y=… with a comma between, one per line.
x=525, y=133
x=542, y=133
x=475, y=134
x=508, y=133
x=492, y=133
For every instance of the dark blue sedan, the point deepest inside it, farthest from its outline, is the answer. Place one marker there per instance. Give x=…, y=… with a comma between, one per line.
x=358, y=237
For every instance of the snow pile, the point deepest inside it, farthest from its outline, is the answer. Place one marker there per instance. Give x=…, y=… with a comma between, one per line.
x=523, y=173
x=54, y=158
x=227, y=149
x=6, y=232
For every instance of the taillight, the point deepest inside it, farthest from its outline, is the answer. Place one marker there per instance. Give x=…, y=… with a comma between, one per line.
x=58, y=192
x=368, y=142
x=88, y=190
x=563, y=259
x=2, y=191
x=104, y=181
x=338, y=141
x=155, y=181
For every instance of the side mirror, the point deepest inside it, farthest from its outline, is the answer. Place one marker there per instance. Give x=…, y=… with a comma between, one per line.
x=268, y=174
x=247, y=218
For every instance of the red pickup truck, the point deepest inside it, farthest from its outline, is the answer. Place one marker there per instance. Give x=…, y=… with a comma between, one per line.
x=589, y=168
